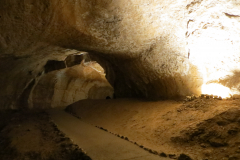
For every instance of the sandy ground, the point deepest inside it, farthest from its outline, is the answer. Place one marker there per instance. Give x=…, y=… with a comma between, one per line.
x=204, y=129
x=30, y=135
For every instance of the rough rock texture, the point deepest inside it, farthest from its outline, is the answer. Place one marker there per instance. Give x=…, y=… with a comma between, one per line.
x=64, y=87
x=151, y=48
x=31, y=134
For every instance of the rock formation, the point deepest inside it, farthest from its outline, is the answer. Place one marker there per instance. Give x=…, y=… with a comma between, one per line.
x=148, y=48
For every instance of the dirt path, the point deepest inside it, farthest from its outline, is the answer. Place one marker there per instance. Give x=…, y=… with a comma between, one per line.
x=201, y=129
x=98, y=144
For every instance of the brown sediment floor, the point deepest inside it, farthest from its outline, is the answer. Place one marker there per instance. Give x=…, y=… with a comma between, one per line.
x=201, y=129
x=31, y=135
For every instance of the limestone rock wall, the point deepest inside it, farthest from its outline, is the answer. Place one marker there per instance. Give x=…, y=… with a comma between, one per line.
x=151, y=48
x=63, y=87
x=19, y=74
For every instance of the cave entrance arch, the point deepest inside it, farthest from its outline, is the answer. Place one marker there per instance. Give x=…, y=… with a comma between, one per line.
x=75, y=78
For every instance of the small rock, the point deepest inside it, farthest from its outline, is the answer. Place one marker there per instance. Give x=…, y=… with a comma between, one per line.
x=173, y=156
x=145, y=148
x=150, y=151
x=188, y=98
x=163, y=154
x=61, y=134
x=184, y=157
x=193, y=97
x=203, y=145
x=179, y=109
x=217, y=143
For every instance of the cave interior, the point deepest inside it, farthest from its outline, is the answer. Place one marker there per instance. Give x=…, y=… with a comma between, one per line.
x=126, y=53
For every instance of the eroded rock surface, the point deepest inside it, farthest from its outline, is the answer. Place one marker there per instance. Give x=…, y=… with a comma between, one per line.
x=63, y=87
x=151, y=48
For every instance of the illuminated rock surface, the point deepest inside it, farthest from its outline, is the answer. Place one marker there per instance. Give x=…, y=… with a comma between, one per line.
x=148, y=48
x=64, y=87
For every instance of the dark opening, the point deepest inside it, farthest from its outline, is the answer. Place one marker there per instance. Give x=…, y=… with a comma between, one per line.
x=52, y=65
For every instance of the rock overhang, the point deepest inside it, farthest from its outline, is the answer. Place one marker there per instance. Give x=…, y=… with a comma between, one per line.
x=155, y=49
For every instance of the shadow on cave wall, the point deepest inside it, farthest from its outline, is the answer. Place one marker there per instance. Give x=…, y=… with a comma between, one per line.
x=23, y=99
x=117, y=77
x=138, y=77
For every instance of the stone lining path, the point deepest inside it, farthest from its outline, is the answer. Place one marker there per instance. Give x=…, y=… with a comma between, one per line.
x=98, y=144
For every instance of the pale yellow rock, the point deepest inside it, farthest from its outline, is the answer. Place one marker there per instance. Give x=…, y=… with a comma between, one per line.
x=68, y=88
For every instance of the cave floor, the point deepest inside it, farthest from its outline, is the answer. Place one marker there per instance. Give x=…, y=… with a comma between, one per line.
x=200, y=129
x=203, y=129
x=98, y=144
x=31, y=135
